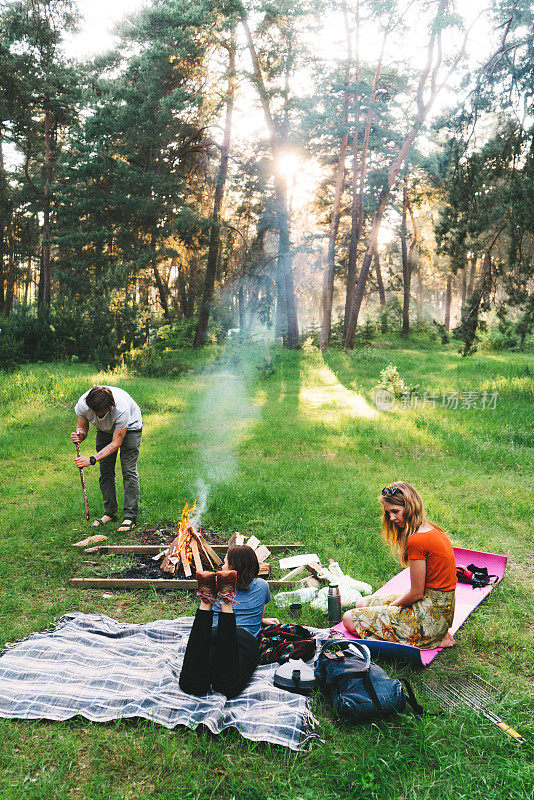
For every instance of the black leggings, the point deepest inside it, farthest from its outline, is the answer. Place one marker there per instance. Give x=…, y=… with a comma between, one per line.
x=223, y=659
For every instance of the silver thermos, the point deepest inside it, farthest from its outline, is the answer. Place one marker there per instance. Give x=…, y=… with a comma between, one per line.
x=334, y=604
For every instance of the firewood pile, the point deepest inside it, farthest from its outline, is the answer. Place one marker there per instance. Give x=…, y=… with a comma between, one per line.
x=190, y=552
x=189, y=549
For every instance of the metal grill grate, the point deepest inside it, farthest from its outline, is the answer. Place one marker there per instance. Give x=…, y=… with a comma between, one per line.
x=477, y=694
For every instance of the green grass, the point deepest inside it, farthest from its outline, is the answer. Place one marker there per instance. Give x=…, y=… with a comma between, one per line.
x=303, y=457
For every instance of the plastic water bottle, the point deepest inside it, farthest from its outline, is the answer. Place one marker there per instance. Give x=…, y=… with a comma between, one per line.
x=334, y=604
x=303, y=595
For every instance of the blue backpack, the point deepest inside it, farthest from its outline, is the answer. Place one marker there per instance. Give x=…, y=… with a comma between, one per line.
x=358, y=689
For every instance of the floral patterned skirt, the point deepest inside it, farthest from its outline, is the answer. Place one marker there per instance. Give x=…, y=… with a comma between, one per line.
x=423, y=624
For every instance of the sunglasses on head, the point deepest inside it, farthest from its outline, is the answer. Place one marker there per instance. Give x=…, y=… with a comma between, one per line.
x=389, y=491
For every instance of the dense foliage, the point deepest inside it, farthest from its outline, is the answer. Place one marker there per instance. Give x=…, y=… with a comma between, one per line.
x=157, y=182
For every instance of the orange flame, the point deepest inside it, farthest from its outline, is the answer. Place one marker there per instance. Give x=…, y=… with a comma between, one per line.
x=182, y=542
x=186, y=530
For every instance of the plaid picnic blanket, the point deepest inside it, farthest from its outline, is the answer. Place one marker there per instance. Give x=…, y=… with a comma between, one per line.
x=92, y=665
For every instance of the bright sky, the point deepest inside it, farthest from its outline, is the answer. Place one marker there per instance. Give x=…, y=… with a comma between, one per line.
x=96, y=28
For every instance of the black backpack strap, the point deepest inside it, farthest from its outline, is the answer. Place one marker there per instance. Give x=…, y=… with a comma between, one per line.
x=371, y=691
x=410, y=696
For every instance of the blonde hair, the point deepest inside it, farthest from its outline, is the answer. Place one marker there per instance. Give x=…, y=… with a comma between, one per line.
x=414, y=517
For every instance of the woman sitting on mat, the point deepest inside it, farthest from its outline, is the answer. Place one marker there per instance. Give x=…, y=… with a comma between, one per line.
x=423, y=615
x=234, y=599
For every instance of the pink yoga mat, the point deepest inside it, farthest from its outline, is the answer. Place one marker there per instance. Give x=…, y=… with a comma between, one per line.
x=467, y=599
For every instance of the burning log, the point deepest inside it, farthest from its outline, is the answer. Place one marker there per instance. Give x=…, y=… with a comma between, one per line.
x=189, y=548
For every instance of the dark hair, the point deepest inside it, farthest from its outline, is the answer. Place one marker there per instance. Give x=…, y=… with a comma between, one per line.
x=244, y=560
x=100, y=399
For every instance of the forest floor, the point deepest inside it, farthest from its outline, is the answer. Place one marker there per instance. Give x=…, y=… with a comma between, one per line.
x=291, y=448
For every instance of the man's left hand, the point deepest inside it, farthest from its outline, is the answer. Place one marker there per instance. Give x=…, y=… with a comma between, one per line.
x=82, y=461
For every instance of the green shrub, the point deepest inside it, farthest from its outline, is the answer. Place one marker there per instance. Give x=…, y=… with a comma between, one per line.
x=100, y=330
x=11, y=350
x=26, y=336
x=504, y=335
x=181, y=334
x=389, y=316
x=391, y=381
x=365, y=333
x=427, y=327
x=443, y=332
x=364, y=336
x=148, y=361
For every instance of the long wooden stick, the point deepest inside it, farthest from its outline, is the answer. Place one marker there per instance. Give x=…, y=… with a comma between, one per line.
x=154, y=549
x=147, y=583
x=84, y=490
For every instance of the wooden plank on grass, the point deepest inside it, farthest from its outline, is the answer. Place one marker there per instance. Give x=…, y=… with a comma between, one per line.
x=146, y=583
x=293, y=574
x=152, y=550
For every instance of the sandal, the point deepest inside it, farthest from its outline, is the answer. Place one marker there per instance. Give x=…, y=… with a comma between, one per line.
x=126, y=525
x=99, y=522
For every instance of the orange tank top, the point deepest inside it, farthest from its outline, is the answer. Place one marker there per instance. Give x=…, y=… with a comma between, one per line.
x=435, y=548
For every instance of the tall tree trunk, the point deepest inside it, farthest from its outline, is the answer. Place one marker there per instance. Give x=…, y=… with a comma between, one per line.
x=355, y=208
x=285, y=264
x=476, y=299
x=408, y=257
x=328, y=278
x=182, y=292
x=380, y=282
x=2, y=279
x=10, y=282
x=28, y=280
x=161, y=285
x=215, y=235
x=241, y=307
x=3, y=221
x=44, y=283
x=163, y=291
x=192, y=287
x=280, y=326
x=253, y=296
x=448, y=298
x=472, y=274
x=358, y=187
x=405, y=265
x=464, y=286
x=419, y=295
x=434, y=59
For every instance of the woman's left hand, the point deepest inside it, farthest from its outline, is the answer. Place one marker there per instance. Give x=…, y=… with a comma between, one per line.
x=82, y=461
x=270, y=621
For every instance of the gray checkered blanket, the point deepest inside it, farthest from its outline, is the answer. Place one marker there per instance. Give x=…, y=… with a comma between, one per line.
x=92, y=665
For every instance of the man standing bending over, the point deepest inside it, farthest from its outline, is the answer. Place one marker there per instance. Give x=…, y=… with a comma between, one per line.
x=117, y=418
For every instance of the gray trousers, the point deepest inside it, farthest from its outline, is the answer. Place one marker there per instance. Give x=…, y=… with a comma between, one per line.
x=129, y=453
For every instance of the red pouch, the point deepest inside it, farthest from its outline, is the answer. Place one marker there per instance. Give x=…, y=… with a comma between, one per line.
x=463, y=574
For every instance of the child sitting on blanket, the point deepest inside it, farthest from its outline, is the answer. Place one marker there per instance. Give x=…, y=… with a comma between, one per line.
x=234, y=599
x=423, y=615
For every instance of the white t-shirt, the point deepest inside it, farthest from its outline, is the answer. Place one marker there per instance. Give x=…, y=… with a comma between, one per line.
x=124, y=414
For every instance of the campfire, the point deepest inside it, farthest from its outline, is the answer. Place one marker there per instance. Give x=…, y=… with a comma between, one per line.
x=189, y=549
